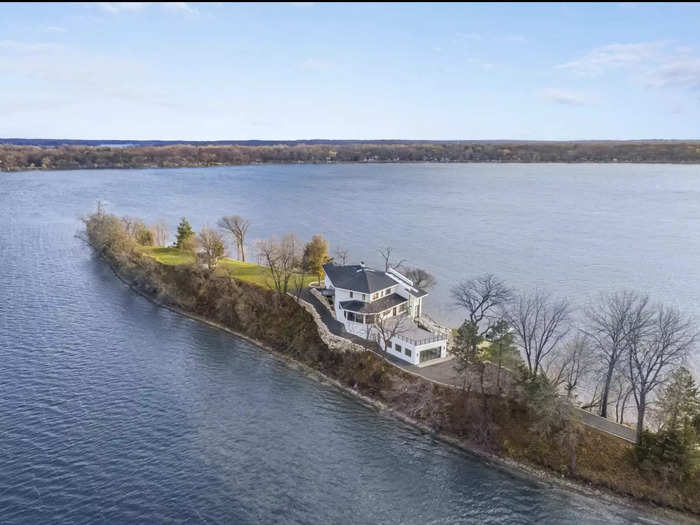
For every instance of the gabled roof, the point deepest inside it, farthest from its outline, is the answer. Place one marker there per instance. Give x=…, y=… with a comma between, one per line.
x=374, y=307
x=358, y=278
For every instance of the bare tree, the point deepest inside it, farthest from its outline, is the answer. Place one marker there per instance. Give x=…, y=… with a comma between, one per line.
x=282, y=258
x=237, y=226
x=594, y=403
x=388, y=327
x=573, y=364
x=482, y=297
x=298, y=282
x=341, y=255
x=386, y=255
x=160, y=232
x=540, y=324
x=655, y=348
x=622, y=390
x=212, y=246
x=608, y=325
x=420, y=277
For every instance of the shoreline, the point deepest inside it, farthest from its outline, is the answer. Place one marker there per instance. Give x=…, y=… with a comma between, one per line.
x=361, y=163
x=510, y=466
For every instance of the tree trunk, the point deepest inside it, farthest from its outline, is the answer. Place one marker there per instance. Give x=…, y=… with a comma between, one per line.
x=640, y=415
x=606, y=390
x=242, y=251
x=624, y=406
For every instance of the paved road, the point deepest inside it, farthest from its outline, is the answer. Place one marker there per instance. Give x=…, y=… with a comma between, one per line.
x=607, y=426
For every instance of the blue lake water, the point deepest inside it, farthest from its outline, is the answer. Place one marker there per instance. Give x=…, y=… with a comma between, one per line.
x=114, y=410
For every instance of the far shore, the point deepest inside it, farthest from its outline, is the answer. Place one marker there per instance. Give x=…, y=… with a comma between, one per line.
x=27, y=155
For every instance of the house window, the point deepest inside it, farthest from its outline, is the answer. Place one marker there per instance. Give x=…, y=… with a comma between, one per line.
x=407, y=352
x=393, y=311
x=430, y=354
x=350, y=295
x=398, y=348
x=364, y=297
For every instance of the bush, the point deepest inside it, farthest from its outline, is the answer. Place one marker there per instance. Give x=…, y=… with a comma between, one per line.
x=666, y=454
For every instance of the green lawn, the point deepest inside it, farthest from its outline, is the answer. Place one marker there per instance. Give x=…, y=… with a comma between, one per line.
x=245, y=271
x=168, y=256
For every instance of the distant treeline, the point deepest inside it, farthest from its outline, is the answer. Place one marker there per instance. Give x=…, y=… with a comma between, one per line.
x=116, y=155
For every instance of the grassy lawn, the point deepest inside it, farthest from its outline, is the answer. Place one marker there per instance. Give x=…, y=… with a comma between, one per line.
x=168, y=256
x=245, y=271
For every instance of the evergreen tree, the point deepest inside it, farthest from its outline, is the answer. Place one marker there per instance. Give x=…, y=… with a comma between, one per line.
x=501, y=350
x=680, y=402
x=185, y=235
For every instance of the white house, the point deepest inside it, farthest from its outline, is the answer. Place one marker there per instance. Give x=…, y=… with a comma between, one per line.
x=370, y=303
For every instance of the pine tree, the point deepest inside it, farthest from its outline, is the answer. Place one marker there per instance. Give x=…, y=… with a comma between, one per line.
x=185, y=235
x=680, y=401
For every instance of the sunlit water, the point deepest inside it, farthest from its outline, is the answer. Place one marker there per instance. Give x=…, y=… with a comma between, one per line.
x=114, y=410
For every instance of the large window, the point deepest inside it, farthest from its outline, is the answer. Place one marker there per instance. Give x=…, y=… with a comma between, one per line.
x=407, y=352
x=429, y=354
x=398, y=348
x=350, y=295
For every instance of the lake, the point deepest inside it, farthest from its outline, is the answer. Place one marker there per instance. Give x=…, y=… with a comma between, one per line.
x=114, y=410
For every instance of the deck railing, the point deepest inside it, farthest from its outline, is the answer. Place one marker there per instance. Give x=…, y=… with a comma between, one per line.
x=423, y=341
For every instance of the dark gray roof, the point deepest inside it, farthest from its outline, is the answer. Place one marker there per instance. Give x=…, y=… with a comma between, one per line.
x=375, y=307
x=357, y=278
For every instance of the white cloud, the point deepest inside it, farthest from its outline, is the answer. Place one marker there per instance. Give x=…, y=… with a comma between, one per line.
x=683, y=71
x=73, y=75
x=56, y=29
x=656, y=64
x=29, y=47
x=561, y=96
x=116, y=7
x=182, y=7
x=613, y=56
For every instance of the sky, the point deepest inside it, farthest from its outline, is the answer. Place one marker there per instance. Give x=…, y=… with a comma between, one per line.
x=309, y=70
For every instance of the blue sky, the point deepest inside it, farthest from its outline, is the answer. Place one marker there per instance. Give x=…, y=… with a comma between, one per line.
x=344, y=71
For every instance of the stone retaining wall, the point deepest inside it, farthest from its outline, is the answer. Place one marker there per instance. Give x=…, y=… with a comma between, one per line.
x=334, y=342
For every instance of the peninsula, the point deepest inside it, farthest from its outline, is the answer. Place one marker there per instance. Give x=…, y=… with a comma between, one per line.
x=495, y=402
